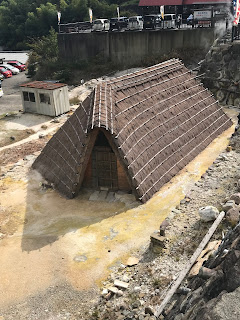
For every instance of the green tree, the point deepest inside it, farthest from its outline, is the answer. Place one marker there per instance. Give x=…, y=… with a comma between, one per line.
x=43, y=55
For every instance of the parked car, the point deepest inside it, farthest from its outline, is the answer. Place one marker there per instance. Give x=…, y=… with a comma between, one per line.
x=101, y=25
x=135, y=23
x=152, y=21
x=6, y=73
x=120, y=23
x=1, y=90
x=11, y=68
x=17, y=64
x=169, y=21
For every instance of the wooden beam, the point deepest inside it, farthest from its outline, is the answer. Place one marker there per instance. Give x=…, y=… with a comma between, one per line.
x=194, y=257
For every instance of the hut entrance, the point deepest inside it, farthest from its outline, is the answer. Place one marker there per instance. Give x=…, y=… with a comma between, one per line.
x=104, y=164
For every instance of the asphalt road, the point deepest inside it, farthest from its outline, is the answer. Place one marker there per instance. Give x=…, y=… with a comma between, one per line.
x=11, y=100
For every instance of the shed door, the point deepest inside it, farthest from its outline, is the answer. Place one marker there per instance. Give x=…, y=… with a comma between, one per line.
x=104, y=167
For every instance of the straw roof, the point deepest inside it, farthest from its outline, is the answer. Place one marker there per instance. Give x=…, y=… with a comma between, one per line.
x=159, y=118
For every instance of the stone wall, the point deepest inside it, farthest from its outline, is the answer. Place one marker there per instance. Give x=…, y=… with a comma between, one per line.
x=129, y=48
x=221, y=72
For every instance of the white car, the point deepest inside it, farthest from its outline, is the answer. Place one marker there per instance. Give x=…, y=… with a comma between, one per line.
x=101, y=25
x=135, y=23
x=11, y=68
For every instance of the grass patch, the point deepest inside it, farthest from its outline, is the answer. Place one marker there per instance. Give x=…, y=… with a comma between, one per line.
x=74, y=101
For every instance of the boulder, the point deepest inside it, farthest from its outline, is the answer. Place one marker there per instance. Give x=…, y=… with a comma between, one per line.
x=208, y=213
x=232, y=216
x=230, y=204
x=236, y=197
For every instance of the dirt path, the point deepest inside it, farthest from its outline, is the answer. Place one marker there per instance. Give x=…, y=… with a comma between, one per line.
x=55, y=252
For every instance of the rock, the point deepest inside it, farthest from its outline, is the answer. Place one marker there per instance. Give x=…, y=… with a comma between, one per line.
x=80, y=258
x=229, y=148
x=163, y=227
x=12, y=138
x=125, y=278
x=132, y=261
x=236, y=197
x=220, y=95
x=208, y=213
x=228, y=205
x=238, y=185
x=44, y=126
x=149, y=310
x=113, y=289
x=232, y=216
x=41, y=135
x=136, y=304
x=121, y=284
x=206, y=273
x=137, y=289
x=120, y=293
x=183, y=290
x=55, y=121
x=104, y=292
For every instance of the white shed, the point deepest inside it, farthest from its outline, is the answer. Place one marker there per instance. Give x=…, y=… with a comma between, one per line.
x=46, y=98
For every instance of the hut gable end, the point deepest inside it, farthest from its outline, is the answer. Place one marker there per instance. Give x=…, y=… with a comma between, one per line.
x=156, y=120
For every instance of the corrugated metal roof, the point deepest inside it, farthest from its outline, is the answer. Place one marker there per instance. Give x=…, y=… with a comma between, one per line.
x=43, y=85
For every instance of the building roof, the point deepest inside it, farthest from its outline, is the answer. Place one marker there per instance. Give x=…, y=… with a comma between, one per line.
x=146, y=3
x=149, y=3
x=43, y=85
x=159, y=118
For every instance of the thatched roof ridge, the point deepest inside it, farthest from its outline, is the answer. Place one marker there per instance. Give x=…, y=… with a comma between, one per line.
x=160, y=118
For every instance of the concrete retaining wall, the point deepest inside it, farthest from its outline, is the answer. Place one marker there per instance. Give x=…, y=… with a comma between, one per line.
x=129, y=48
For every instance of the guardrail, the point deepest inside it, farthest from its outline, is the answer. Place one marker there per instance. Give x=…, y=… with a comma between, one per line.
x=77, y=27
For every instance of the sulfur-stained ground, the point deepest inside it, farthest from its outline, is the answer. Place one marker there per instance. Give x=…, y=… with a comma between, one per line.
x=58, y=250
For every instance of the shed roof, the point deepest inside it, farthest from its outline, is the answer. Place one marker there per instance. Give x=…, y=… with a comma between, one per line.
x=160, y=118
x=43, y=85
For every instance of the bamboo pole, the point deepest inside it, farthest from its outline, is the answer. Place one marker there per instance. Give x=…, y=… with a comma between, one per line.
x=194, y=257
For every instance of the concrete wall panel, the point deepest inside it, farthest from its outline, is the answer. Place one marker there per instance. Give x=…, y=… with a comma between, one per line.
x=129, y=48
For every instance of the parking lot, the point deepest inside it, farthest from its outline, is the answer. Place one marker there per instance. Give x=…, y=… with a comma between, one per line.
x=11, y=100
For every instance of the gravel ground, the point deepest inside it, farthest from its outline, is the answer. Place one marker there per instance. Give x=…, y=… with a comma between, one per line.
x=150, y=278
x=148, y=281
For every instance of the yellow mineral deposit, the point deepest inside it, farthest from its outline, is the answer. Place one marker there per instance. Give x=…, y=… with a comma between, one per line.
x=57, y=240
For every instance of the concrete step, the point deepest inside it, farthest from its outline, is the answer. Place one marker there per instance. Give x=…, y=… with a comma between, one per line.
x=94, y=196
x=110, y=197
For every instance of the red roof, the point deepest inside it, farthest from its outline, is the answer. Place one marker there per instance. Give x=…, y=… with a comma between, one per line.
x=43, y=85
x=145, y=3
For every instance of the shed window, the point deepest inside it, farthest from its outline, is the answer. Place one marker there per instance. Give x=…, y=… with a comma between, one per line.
x=25, y=96
x=44, y=98
x=32, y=96
x=28, y=96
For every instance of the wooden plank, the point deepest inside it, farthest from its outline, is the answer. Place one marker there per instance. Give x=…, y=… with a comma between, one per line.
x=194, y=257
